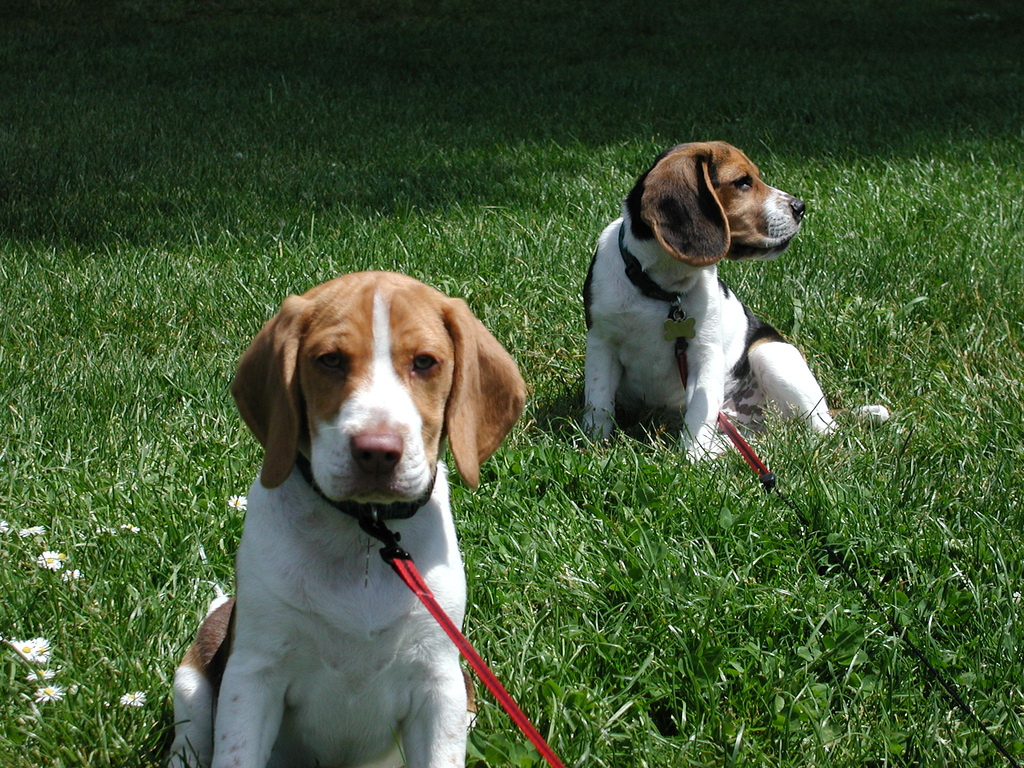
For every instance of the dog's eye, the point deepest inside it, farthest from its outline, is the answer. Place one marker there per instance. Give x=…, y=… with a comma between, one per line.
x=744, y=183
x=423, y=363
x=332, y=361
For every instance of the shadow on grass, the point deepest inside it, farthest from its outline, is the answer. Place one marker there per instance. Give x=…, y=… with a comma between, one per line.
x=558, y=412
x=146, y=122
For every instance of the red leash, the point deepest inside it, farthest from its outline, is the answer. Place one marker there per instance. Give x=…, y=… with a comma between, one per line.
x=401, y=562
x=763, y=473
x=896, y=629
x=766, y=477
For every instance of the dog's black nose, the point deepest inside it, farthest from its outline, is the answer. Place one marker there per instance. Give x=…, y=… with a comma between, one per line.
x=798, y=208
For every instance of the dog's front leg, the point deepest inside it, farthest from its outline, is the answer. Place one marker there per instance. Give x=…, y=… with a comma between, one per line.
x=434, y=736
x=603, y=372
x=705, y=388
x=705, y=381
x=249, y=713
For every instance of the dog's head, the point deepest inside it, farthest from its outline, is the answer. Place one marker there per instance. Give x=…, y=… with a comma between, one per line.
x=366, y=375
x=706, y=201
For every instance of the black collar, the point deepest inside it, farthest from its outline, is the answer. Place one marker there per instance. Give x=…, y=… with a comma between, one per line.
x=638, y=277
x=398, y=510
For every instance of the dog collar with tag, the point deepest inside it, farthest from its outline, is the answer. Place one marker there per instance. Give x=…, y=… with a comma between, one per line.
x=678, y=327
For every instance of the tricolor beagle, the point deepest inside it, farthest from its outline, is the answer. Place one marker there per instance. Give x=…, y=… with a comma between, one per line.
x=663, y=333
x=324, y=657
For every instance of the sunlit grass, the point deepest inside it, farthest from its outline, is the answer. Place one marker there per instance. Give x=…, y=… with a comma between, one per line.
x=170, y=172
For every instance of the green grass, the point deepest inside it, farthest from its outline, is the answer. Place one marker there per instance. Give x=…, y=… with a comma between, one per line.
x=169, y=172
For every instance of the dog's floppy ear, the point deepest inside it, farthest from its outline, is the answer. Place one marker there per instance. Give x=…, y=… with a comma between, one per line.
x=487, y=392
x=267, y=391
x=680, y=205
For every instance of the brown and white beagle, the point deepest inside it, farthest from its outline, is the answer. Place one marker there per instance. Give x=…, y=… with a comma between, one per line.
x=324, y=657
x=663, y=333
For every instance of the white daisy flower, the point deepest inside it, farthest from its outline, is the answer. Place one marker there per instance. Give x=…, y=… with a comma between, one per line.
x=54, y=561
x=130, y=528
x=4, y=526
x=238, y=503
x=35, y=530
x=36, y=650
x=74, y=575
x=135, y=699
x=49, y=693
x=46, y=674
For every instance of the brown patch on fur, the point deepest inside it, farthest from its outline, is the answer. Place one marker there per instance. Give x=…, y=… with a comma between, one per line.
x=744, y=208
x=267, y=391
x=471, y=705
x=691, y=201
x=487, y=396
x=763, y=340
x=209, y=653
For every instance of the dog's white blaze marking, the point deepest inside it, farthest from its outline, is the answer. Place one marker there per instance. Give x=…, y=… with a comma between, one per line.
x=382, y=334
x=386, y=396
x=381, y=401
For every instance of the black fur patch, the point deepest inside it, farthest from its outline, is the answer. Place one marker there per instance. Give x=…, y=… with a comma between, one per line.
x=638, y=227
x=587, y=286
x=757, y=330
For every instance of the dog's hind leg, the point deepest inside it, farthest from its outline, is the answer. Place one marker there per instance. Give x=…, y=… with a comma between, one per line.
x=790, y=385
x=195, y=687
x=193, y=717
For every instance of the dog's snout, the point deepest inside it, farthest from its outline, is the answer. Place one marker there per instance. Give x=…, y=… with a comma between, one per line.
x=377, y=453
x=798, y=207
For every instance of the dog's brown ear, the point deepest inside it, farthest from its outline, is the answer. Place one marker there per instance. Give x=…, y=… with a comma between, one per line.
x=267, y=391
x=680, y=204
x=487, y=394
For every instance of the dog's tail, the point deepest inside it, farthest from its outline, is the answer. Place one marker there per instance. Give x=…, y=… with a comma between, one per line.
x=219, y=598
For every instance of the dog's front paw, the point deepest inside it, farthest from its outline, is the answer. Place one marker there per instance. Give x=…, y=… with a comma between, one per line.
x=598, y=423
x=872, y=415
x=823, y=424
x=707, y=444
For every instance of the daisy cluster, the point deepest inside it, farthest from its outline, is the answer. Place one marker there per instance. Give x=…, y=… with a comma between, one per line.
x=48, y=559
x=55, y=560
x=37, y=652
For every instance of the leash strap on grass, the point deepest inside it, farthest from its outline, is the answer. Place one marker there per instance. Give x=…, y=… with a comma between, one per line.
x=402, y=564
x=896, y=629
x=767, y=478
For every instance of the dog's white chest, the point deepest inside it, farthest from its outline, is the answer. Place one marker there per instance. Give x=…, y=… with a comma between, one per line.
x=324, y=619
x=633, y=330
x=346, y=703
x=650, y=372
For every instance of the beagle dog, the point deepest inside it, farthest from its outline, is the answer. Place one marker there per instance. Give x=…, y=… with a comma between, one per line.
x=324, y=657
x=664, y=333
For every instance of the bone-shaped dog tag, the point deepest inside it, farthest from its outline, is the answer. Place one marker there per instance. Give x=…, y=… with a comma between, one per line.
x=679, y=329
